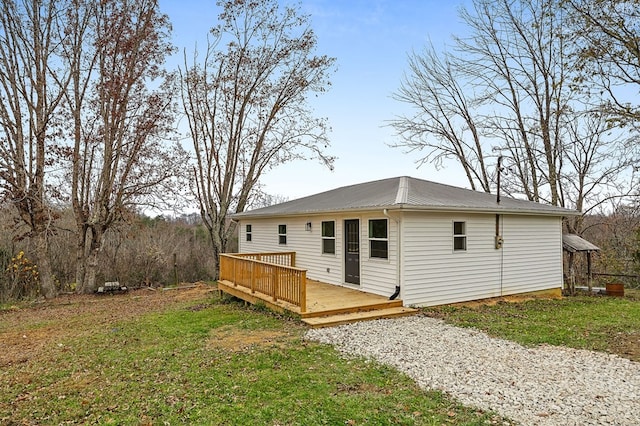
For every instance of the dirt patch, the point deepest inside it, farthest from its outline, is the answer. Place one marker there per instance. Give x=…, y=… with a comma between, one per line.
x=238, y=340
x=361, y=388
x=27, y=332
x=516, y=298
x=627, y=345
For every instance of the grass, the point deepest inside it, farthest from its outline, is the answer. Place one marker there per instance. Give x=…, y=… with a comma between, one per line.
x=583, y=322
x=208, y=362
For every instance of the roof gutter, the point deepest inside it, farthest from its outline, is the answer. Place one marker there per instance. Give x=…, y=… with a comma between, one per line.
x=396, y=293
x=397, y=207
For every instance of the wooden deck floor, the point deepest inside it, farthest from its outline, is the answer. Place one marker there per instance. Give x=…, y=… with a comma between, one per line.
x=328, y=304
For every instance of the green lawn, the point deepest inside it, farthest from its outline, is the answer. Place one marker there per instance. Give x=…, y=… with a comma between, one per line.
x=600, y=323
x=209, y=362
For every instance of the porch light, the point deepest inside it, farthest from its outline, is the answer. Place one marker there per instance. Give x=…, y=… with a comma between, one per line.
x=307, y=227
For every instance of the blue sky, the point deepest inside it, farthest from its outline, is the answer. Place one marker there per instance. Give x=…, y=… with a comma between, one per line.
x=370, y=40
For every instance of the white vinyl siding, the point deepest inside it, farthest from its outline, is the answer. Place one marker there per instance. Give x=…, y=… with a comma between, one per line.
x=532, y=254
x=434, y=274
x=377, y=276
x=306, y=244
x=530, y=260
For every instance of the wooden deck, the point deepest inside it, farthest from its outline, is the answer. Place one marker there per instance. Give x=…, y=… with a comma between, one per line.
x=326, y=304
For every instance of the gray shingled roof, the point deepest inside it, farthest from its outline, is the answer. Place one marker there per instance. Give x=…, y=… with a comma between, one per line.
x=405, y=193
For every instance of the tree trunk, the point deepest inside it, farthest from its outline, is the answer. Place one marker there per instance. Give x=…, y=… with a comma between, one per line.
x=81, y=239
x=91, y=261
x=47, y=285
x=218, y=246
x=216, y=262
x=91, y=272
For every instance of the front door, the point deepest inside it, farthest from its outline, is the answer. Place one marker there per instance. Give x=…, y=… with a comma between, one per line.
x=352, y=251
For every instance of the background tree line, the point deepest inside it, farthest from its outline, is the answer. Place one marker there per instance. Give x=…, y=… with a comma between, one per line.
x=89, y=112
x=141, y=251
x=88, y=117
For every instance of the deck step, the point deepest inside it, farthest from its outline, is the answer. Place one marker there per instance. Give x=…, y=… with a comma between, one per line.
x=365, y=306
x=332, y=320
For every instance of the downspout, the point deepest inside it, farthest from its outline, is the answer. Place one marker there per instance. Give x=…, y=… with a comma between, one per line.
x=396, y=293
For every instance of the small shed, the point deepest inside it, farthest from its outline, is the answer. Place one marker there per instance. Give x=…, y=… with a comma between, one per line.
x=572, y=243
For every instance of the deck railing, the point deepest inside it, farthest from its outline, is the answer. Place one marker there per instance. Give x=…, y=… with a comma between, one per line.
x=272, y=274
x=284, y=258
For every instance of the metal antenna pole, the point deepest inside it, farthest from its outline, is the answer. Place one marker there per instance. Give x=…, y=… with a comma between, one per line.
x=499, y=172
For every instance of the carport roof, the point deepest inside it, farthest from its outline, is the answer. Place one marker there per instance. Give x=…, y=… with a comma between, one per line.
x=573, y=243
x=404, y=193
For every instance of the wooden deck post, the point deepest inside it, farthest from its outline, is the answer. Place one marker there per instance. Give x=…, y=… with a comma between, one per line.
x=303, y=292
x=253, y=277
x=235, y=268
x=572, y=275
x=589, y=273
x=293, y=259
x=275, y=284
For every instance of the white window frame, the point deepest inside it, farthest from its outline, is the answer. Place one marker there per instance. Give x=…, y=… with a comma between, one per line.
x=282, y=236
x=462, y=236
x=371, y=238
x=248, y=233
x=327, y=237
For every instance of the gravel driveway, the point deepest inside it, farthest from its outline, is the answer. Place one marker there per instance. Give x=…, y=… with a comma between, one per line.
x=544, y=385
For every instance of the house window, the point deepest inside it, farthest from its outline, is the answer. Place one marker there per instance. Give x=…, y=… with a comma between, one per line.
x=329, y=237
x=248, y=232
x=378, y=241
x=282, y=234
x=459, y=236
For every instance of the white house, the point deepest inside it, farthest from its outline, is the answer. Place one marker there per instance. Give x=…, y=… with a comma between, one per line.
x=424, y=242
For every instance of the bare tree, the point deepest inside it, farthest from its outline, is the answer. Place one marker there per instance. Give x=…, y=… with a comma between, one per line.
x=32, y=84
x=121, y=105
x=593, y=166
x=443, y=122
x=607, y=34
x=510, y=73
x=246, y=105
x=508, y=87
x=607, y=39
